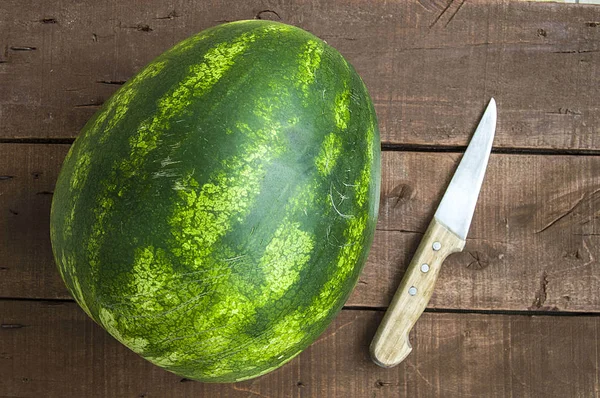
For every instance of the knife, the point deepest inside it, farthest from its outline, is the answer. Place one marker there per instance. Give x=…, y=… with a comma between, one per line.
x=445, y=235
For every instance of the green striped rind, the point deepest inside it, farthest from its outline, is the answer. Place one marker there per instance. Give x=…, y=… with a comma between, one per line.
x=215, y=215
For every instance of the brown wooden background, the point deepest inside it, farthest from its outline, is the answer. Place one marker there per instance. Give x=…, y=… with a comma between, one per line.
x=515, y=314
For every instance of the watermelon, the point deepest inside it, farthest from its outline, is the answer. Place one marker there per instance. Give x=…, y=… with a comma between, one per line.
x=215, y=214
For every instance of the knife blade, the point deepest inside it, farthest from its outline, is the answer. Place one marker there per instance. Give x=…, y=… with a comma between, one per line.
x=446, y=234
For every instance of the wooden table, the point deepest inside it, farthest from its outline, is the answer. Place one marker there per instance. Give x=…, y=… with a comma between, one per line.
x=515, y=314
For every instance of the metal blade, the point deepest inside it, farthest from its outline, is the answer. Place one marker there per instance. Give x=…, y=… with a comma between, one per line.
x=458, y=204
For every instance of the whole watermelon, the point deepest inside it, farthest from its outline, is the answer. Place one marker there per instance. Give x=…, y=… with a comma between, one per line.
x=215, y=214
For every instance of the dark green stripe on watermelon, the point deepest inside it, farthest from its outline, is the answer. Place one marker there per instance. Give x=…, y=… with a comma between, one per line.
x=216, y=213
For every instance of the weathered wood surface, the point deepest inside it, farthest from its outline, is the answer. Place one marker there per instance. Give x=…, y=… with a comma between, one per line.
x=533, y=244
x=430, y=65
x=50, y=349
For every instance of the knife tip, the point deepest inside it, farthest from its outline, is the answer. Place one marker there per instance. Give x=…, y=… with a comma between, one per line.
x=491, y=110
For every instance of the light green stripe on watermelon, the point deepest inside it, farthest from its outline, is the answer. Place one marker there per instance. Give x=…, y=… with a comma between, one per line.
x=201, y=78
x=150, y=275
x=155, y=285
x=289, y=251
x=116, y=107
x=342, y=108
x=107, y=319
x=80, y=171
x=310, y=60
x=189, y=43
x=65, y=262
x=329, y=153
x=201, y=218
x=203, y=215
x=119, y=103
x=289, y=330
x=362, y=185
x=78, y=178
x=280, y=337
x=67, y=265
x=212, y=329
x=284, y=257
x=354, y=234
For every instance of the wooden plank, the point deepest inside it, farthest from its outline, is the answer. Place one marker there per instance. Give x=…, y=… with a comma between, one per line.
x=430, y=66
x=533, y=243
x=45, y=347
x=27, y=177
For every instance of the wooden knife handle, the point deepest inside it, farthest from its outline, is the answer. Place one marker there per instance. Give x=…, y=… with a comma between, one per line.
x=391, y=345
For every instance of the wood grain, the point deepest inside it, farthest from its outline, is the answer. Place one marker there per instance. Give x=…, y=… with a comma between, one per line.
x=430, y=68
x=46, y=347
x=533, y=244
x=27, y=177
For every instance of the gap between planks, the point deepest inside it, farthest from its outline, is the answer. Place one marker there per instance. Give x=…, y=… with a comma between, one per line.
x=59, y=301
x=386, y=147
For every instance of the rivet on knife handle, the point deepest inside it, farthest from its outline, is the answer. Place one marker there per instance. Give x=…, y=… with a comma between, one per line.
x=446, y=234
x=390, y=345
